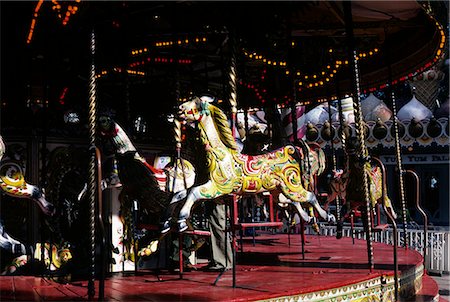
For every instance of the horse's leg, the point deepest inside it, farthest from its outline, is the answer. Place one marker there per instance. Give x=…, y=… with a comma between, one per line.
x=312, y=199
x=345, y=210
x=170, y=211
x=10, y=244
x=331, y=197
x=301, y=211
x=194, y=195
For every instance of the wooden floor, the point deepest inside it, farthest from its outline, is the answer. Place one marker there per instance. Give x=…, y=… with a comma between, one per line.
x=270, y=269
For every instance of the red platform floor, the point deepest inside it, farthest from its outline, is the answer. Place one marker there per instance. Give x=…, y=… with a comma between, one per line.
x=270, y=269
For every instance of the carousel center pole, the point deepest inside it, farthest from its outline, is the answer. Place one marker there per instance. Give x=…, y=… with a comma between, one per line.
x=359, y=125
x=92, y=169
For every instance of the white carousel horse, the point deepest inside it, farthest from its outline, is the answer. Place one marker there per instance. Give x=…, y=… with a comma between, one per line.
x=12, y=183
x=230, y=172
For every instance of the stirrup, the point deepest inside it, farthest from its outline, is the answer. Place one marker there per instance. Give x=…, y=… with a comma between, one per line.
x=182, y=225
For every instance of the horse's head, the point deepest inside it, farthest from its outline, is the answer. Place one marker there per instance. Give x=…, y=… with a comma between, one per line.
x=193, y=110
x=105, y=125
x=38, y=196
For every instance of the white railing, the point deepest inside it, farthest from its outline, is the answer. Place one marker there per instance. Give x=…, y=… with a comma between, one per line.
x=438, y=255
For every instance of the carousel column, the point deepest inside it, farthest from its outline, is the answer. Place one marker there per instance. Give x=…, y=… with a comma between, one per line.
x=398, y=150
x=334, y=164
x=233, y=102
x=363, y=153
x=92, y=187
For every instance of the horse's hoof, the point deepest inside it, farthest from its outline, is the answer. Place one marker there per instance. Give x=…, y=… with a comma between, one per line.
x=154, y=246
x=331, y=218
x=182, y=226
x=165, y=227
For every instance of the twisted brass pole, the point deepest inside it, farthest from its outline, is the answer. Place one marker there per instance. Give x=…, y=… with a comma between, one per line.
x=398, y=150
x=92, y=175
x=359, y=126
x=232, y=81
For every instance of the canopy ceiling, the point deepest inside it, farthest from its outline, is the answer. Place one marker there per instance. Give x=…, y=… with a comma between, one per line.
x=307, y=37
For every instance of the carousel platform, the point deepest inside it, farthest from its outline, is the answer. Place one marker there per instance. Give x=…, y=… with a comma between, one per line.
x=271, y=270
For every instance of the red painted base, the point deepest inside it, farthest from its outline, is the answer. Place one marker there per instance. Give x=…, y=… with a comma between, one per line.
x=270, y=269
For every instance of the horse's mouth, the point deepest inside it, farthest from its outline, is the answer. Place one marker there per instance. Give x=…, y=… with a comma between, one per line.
x=48, y=209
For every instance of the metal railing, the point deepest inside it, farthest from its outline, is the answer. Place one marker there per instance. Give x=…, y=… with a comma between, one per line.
x=438, y=243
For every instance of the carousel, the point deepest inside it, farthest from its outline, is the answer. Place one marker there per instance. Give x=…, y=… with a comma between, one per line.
x=241, y=151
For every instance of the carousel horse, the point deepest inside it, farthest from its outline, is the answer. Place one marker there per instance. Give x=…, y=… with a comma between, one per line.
x=172, y=178
x=12, y=183
x=231, y=172
x=153, y=187
x=348, y=185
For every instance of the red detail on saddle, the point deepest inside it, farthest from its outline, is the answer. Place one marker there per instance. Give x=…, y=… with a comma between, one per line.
x=159, y=174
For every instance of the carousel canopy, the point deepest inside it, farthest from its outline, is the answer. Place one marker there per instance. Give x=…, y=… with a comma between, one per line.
x=145, y=51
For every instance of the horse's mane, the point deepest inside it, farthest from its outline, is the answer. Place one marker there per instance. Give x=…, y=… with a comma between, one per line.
x=223, y=128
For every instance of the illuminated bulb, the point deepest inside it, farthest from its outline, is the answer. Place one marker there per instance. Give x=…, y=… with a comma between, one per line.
x=314, y=76
x=330, y=50
x=376, y=50
x=323, y=72
x=287, y=71
x=327, y=79
x=298, y=73
x=306, y=77
x=328, y=66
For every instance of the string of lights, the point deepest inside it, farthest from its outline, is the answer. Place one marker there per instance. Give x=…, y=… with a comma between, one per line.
x=71, y=9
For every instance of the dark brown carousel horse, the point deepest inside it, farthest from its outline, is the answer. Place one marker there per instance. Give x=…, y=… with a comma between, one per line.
x=349, y=185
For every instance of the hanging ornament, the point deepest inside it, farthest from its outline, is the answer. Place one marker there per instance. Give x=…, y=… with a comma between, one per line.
x=312, y=133
x=415, y=128
x=434, y=128
x=327, y=131
x=380, y=130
